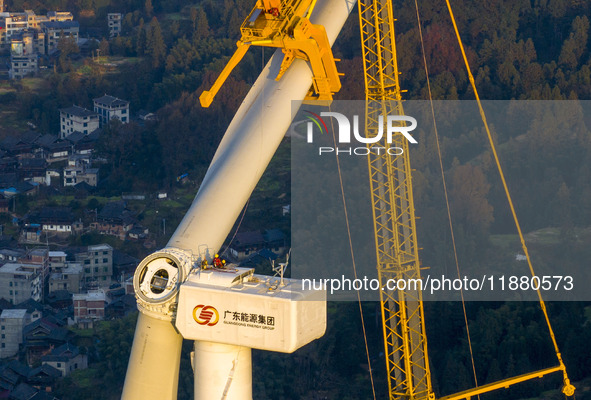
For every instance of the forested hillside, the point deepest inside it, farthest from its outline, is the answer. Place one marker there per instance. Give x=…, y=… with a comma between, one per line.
x=518, y=49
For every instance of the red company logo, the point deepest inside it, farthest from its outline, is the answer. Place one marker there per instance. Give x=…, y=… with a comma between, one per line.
x=206, y=315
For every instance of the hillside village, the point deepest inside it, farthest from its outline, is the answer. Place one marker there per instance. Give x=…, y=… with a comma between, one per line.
x=48, y=297
x=51, y=289
x=67, y=252
x=36, y=42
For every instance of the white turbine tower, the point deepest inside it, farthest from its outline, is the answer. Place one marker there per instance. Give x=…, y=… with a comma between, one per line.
x=217, y=309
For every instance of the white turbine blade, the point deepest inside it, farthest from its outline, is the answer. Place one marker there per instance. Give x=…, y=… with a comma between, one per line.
x=153, y=370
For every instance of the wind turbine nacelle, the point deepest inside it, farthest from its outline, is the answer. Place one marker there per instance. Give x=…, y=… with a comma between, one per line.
x=237, y=307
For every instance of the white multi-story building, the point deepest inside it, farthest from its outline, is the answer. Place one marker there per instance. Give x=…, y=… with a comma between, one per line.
x=78, y=171
x=36, y=21
x=64, y=275
x=109, y=107
x=77, y=119
x=13, y=23
x=22, y=66
x=114, y=21
x=20, y=282
x=33, y=20
x=12, y=323
x=10, y=24
x=97, y=264
x=23, y=54
x=78, y=174
x=56, y=260
x=27, y=41
x=60, y=16
x=68, y=278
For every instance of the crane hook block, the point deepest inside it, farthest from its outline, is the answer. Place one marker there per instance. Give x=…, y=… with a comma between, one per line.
x=285, y=24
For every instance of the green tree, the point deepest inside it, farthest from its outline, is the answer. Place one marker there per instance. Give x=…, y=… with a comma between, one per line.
x=234, y=23
x=469, y=198
x=66, y=45
x=529, y=51
x=201, y=26
x=508, y=74
x=494, y=373
x=155, y=46
x=175, y=26
x=20, y=204
x=140, y=39
x=183, y=57
x=574, y=47
x=193, y=15
x=148, y=8
x=104, y=47
x=455, y=375
x=104, y=379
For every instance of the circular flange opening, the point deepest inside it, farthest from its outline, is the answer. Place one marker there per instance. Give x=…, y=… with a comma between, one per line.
x=157, y=278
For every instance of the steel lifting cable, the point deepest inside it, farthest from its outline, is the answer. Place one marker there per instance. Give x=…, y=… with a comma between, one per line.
x=568, y=388
x=352, y=258
x=451, y=229
x=237, y=228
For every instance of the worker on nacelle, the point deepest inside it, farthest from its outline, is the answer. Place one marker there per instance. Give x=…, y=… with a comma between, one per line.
x=217, y=262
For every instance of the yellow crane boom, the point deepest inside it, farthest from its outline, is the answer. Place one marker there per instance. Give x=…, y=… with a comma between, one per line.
x=393, y=210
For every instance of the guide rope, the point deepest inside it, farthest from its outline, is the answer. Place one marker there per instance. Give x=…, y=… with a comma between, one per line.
x=568, y=388
x=352, y=257
x=451, y=229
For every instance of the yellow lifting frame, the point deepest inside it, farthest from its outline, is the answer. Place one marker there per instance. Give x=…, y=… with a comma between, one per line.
x=405, y=340
x=287, y=27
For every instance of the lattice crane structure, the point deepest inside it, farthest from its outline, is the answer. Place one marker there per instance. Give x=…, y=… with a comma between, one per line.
x=405, y=341
x=393, y=210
